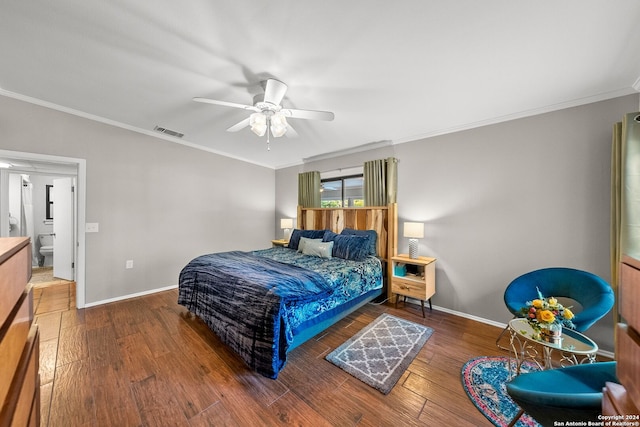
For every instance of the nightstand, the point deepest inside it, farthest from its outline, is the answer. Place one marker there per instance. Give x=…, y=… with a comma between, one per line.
x=279, y=242
x=419, y=285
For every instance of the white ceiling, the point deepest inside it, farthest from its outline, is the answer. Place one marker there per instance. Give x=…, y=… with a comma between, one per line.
x=390, y=71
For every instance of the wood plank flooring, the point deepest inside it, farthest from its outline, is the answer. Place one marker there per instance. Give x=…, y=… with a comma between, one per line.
x=147, y=362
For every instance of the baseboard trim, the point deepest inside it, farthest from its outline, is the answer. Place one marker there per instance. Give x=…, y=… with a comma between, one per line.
x=129, y=296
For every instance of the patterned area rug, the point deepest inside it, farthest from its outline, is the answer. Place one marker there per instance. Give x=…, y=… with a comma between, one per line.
x=484, y=378
x=379, y=354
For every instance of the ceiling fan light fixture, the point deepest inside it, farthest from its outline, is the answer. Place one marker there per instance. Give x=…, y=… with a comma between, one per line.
x=269, y=117
x=258, y=123
x=278, y=124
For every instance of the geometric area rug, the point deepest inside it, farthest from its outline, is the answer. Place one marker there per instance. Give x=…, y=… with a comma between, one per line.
x=380, y=352
x=484, y=379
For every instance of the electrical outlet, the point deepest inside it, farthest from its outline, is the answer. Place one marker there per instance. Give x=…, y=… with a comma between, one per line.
x=91, y=227
x=129, y=263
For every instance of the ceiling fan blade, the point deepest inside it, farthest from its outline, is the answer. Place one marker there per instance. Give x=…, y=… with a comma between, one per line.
x=291, y=132
x=240, y=125
x=225, y=103
x=308, y=114
x=274, y=91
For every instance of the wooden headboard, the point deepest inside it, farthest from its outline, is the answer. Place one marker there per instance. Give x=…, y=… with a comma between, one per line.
x=382, y=219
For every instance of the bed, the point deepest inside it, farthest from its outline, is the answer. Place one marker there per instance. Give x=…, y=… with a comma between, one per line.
x=265, y=303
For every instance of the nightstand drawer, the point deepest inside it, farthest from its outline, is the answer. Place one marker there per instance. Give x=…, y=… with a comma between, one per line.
x=409, y=288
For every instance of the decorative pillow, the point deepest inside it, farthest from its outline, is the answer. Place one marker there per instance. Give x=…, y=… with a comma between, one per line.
x=373, y=237
x=352, y=247
x=318, y=248
x=304, y=241
x=294, y=240
x=329, y=236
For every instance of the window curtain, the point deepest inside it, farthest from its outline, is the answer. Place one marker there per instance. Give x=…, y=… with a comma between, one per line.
x=625, y=195
x=380, y=182
x=309, y=189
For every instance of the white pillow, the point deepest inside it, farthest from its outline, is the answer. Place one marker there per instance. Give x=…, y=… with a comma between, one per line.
x=304, y=241
x=318, y=248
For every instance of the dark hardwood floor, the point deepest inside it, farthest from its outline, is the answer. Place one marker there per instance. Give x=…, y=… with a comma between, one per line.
x=147, y=362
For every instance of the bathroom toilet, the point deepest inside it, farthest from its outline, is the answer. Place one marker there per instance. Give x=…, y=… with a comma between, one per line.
x=46, y=250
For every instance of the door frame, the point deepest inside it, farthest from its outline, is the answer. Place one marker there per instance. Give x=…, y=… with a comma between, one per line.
x=80, y=214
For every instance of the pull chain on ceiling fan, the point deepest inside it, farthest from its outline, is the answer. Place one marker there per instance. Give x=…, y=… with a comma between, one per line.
x=269, y=117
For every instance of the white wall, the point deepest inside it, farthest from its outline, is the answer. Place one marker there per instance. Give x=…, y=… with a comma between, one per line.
x=15, y=203
x=39, y=202
x=502, y=200
x=157, y=203
x=39, y=211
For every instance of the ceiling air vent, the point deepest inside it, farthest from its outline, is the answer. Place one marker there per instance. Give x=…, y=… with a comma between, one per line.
x=168, y=132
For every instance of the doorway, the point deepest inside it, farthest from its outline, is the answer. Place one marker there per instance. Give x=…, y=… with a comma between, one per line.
x=60, y=167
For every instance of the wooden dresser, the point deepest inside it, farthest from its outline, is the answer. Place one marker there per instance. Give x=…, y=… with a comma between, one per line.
x=19, y=339
x=623, y=400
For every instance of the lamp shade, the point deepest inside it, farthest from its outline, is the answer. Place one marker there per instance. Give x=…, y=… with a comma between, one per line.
x=286, y=223
x=278, y=125
x=414, y=230
x=258, y=123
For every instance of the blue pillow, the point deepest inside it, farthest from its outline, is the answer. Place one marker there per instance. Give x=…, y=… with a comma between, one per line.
x=329, y=236
x=351, y=247
x=294, y=240
x=373, y=237
x=318, y=248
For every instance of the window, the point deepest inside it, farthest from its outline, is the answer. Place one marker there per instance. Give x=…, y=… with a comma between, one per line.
x=49, y=202
x=346, y=191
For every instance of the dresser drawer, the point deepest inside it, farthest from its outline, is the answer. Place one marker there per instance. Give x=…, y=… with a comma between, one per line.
x=23, y=399
x=13, y=341
x=629, y=295
x=627, y=355
x=13, y=278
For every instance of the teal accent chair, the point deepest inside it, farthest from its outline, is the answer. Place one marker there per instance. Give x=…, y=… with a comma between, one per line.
x=573, y=393
x=593, y=293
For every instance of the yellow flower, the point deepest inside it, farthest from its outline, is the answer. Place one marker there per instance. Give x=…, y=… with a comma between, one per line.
x=568, y=314
x=537, y=303
x=546, y=316
x=553, y=302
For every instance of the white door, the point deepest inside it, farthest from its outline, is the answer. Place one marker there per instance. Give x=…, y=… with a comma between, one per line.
x=63, y=248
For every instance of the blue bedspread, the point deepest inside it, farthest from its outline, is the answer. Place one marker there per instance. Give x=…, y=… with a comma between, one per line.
x=242, y=298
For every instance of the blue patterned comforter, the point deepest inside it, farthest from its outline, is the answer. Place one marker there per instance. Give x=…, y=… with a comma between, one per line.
x=256, y=301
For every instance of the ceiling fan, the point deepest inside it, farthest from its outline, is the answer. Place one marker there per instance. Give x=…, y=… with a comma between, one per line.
x=269, y=117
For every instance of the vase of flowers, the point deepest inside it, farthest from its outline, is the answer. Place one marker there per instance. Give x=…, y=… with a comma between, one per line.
x=551, y=333
x=547, y=317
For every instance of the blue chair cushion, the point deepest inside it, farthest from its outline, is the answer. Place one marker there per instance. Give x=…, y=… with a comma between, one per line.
x=592, y=292
x=554, y=394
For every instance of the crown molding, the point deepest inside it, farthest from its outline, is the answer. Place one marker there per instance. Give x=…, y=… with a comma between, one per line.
x=121, y=125
x=528, y=113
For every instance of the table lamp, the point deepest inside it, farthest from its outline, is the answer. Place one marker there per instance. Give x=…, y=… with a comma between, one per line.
x=287, y=225
x=414, y=231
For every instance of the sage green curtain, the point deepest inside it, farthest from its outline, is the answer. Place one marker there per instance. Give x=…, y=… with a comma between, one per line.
x=625, y=195
x=380, y=182
x=309, y=189
x=616, y=203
